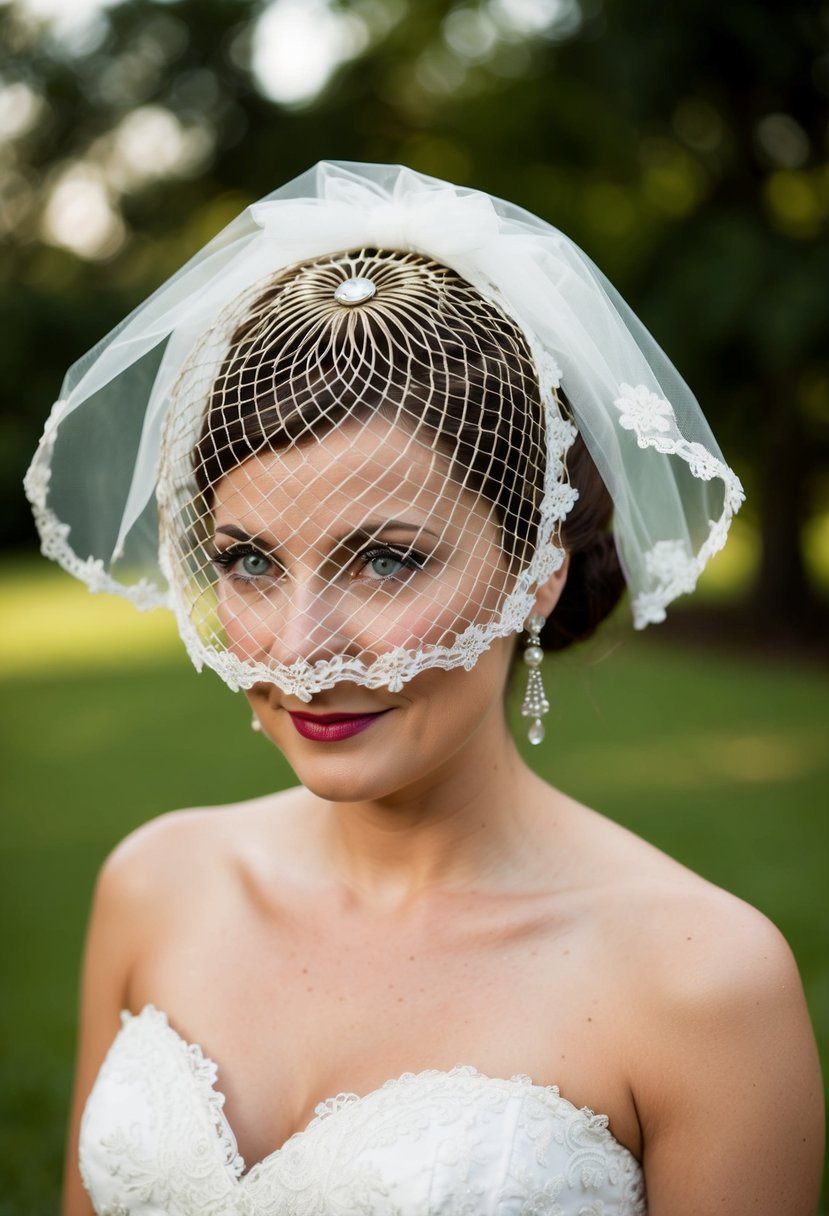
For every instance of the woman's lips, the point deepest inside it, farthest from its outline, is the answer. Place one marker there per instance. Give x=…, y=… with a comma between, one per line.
x=330, y=728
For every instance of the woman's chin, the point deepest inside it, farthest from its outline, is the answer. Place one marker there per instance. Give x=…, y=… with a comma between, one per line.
x=346, y=783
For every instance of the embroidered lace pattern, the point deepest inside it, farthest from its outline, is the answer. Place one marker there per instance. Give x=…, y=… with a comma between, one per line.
x=154, y=1139
x=671, y=566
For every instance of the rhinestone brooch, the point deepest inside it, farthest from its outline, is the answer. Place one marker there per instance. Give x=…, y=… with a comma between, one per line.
x=355, y=291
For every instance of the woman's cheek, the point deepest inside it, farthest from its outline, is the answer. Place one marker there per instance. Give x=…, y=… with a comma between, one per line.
x=247, y=634
x=421, y=620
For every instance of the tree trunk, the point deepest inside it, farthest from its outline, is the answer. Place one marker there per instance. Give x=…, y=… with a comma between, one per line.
x=784, y=605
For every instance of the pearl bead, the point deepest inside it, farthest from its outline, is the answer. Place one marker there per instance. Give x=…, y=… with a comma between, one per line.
x=355, y=291
x=535, y=623
x=533, y=656
x=536, y=732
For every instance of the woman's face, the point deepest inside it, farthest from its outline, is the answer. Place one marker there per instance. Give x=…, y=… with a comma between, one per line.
x=346, y=548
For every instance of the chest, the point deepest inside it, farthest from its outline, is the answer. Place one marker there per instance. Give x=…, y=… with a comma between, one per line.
x=308, y=1008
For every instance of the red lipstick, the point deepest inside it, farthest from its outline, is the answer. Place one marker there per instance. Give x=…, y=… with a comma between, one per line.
x=330, y=728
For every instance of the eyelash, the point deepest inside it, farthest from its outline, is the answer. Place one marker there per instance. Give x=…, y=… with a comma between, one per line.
x=225, y=559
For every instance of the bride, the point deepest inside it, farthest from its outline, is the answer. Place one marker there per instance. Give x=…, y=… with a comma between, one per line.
x=373, y=432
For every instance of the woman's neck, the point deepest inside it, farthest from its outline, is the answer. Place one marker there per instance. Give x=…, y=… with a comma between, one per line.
x=474, y=820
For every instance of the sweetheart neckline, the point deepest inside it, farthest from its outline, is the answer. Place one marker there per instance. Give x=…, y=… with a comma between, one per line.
x=207, y=1070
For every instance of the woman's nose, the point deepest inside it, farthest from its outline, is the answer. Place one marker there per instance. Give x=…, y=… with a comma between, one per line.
x=309, y=623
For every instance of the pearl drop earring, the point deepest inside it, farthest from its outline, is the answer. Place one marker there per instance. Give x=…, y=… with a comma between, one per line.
x=535, y=700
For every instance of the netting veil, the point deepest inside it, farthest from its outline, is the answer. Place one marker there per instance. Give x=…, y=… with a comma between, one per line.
x=335, y=443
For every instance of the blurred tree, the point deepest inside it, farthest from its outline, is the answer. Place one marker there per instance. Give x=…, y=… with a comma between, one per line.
x=683, y=145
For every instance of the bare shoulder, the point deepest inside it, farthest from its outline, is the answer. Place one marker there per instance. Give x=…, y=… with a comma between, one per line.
x=720, y=1054
x=701, y=945
x=718, y=984
x=726, y=1067
x=686, y=934
x=181, y=850
x=688, y=945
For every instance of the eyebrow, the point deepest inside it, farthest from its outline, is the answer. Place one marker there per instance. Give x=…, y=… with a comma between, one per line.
x=368, y=531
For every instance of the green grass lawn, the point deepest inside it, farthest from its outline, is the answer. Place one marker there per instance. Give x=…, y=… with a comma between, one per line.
x=720, y=760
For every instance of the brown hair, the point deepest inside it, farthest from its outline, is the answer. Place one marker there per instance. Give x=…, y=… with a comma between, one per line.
x=436, y=355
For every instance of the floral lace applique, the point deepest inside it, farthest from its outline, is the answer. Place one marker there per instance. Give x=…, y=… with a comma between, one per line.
x=640, y=410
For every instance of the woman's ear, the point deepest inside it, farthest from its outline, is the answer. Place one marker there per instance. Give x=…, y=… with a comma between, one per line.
x=549, y=593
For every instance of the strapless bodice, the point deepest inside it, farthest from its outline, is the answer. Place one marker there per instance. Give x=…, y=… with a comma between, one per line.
x=154, y=1140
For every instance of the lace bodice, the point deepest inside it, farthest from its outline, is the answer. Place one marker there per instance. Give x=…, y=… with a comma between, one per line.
x=154, y=1140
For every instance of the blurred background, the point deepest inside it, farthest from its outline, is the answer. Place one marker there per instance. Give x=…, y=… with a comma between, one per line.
x=684, y=146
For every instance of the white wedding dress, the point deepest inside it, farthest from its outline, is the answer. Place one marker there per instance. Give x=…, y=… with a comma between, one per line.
x=154, y=1140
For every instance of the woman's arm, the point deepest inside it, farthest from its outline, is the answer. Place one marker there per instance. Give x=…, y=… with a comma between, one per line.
x=109, y=954
x=731, y=1103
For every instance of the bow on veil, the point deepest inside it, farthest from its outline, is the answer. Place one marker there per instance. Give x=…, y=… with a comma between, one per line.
x=439, y=222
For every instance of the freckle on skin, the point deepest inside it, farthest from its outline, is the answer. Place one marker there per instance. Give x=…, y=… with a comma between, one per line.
x=304, y=970
x=310, y=988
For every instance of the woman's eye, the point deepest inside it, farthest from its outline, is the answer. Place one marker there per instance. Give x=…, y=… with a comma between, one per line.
x=243, y=563
x=384, y=566
x=254, y=564
x=379, y=565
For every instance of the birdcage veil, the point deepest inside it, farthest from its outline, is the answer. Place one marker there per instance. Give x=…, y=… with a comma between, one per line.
x=347, y=505
x=369, y=340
